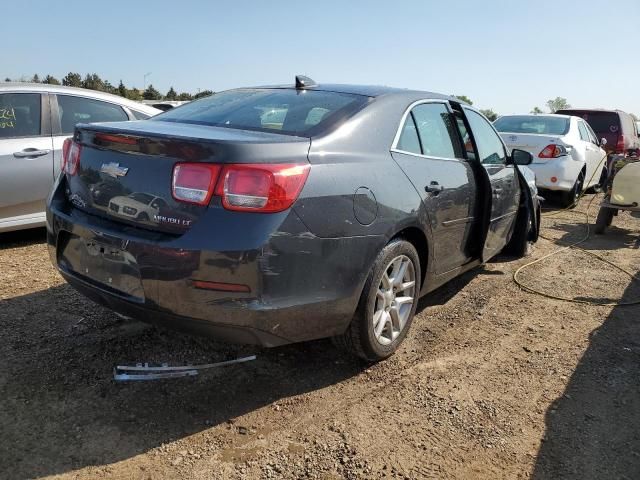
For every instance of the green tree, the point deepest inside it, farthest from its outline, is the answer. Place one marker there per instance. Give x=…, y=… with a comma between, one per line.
x=536, y=110
x=203, y=93
x=557, y=103
x=184, y=96
x=490, y=114
x=7, y=79
x=122, y=90
x=151, y=93
x=464, y=98
x=110, y=88
x=171, y=94
x=35, y=79
x=72, y=79
x=93, y=82
x=51, y=80
x=134, y=94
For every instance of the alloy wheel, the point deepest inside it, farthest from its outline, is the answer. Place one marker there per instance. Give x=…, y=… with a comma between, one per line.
x=394, y=299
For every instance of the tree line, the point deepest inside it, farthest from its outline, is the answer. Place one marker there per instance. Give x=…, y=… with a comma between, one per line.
x=92, y=81
x=553, y=105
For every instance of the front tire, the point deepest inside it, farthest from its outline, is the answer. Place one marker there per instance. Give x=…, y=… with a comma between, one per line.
x=520, y=244
x=387, y=304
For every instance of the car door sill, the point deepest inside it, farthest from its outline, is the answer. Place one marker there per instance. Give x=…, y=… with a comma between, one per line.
x=440, y=279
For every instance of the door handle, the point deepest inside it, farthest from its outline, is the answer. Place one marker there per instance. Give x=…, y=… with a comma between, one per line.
x=434, y=187
x=30, y=153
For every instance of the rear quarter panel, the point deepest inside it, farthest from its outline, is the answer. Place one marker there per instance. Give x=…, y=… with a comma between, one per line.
x=355, y=188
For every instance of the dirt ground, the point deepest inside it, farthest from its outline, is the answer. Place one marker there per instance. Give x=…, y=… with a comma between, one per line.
x=492, y=382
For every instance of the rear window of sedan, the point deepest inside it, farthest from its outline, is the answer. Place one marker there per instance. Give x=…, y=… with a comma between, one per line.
x=602, y=123
x=287, y=111
x=532, y=124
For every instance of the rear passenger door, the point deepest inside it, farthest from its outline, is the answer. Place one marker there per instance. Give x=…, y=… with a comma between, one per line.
x=503, y=199
x=69, y=110
x=26, y=160
x=429, y=152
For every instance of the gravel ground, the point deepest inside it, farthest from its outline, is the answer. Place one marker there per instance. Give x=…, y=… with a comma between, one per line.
x=492, y=382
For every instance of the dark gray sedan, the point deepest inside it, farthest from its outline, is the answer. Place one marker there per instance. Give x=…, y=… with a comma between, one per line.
x=288, y=213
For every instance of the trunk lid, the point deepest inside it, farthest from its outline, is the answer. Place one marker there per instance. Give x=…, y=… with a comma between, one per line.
x=125, y=170
x=532, y=142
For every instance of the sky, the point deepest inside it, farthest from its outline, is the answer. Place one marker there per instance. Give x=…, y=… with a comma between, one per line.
x=509, y=56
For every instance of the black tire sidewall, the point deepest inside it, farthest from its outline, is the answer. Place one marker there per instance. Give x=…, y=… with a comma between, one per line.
x=370, y=346
x=604, y=219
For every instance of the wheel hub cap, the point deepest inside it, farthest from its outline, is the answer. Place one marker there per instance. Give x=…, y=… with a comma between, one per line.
x=394, y=299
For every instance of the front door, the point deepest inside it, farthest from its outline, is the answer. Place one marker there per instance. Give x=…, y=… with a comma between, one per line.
x=26, y=159
x=503, y=198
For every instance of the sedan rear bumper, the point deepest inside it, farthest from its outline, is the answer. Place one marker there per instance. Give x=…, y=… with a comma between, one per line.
x=301, y=287
x=564, y=169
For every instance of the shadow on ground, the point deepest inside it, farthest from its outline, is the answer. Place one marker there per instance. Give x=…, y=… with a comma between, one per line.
x=593, y=429
x=572, y=232
x=22, y=238
x=62, y=411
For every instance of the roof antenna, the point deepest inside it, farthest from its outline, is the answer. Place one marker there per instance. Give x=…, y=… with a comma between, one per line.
x=304, y=82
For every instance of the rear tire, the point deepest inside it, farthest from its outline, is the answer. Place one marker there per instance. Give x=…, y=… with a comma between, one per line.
x=604, y=219
x=384, y=315
x=570, y=198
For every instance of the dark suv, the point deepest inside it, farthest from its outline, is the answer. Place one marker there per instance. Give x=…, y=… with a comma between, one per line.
x=616, y=126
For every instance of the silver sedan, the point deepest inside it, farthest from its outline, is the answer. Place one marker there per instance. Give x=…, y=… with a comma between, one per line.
x=35, y=119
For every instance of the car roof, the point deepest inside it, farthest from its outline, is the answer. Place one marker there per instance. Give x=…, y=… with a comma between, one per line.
x=603, y=110
x=83, y=92
x=553, y=115
x=367, y=90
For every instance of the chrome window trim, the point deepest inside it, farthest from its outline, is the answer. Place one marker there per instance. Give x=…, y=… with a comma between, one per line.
x=450, y=159
x=394, y=146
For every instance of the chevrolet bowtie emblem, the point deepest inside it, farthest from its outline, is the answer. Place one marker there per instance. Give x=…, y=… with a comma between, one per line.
x=114, y=169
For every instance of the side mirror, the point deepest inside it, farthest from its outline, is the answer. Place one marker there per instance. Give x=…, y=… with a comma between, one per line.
x=521, y=157
x=603, y=142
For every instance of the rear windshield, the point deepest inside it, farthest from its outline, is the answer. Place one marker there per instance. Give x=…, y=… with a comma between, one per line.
x=532, y=124
x=601, y=122
x=288, y=111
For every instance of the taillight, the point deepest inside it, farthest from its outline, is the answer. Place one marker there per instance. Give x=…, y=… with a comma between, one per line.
x=620, y=144
x=194, y=182
x=70, y=156
x=261, y=187
x=552, y=151
x=242, y=187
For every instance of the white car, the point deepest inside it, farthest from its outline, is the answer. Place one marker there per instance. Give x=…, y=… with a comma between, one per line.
x=139, y=206
x=35, y=120
x=567, y=155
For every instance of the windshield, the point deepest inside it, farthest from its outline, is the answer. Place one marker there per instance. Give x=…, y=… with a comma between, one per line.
x=533, y=124
x=289, y=111
x=142, y=197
